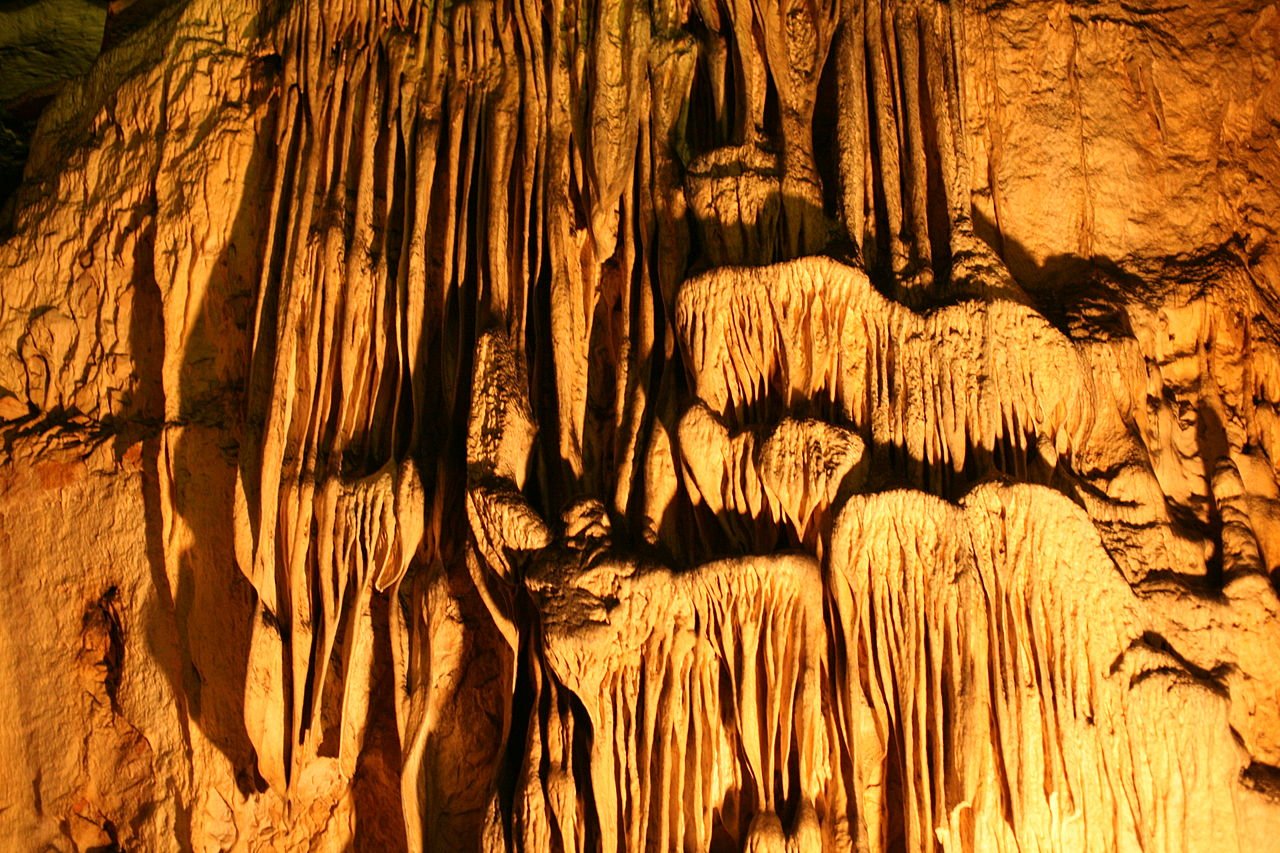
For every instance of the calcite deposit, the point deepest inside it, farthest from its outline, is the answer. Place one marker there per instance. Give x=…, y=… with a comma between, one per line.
x=565, y=425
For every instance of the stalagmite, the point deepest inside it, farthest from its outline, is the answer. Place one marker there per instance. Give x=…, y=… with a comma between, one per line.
x=776, y=425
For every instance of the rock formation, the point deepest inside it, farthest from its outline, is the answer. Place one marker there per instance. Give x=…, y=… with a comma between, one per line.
x=780, y=425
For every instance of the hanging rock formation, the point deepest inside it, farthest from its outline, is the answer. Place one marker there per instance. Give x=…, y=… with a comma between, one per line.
x=781, y=425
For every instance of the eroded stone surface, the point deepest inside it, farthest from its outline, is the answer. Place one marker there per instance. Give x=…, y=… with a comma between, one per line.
x=555, y=425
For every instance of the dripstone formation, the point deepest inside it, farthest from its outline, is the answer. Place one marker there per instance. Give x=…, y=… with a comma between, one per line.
x=777, y=425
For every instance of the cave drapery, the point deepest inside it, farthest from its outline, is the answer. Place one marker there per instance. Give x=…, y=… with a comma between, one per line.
x=681, y=424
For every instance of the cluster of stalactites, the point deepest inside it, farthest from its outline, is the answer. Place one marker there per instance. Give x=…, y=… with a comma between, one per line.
x=996, y=672
x=973, y=675
x=700, y=697
x=758, y=483
x=435, y=162
x=466, y=216
x=628, y=664
x=903, y=168
x=983, y=377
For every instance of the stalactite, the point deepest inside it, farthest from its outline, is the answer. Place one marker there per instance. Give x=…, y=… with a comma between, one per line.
x=700, y=693
x=757, y=482
x=942, y=386
x=1002, y=645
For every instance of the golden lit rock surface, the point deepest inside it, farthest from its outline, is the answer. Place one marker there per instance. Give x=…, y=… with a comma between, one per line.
x=781, y=425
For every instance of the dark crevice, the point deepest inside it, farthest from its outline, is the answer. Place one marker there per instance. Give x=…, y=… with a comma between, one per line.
x=938, y=213
x=826, y=136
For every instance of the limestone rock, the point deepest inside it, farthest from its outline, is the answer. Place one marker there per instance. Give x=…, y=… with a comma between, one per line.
x=550, y=425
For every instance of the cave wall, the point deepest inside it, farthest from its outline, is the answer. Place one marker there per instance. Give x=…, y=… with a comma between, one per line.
x=599, y=425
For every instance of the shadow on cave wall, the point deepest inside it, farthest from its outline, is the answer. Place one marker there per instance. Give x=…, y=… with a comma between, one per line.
x=202, y=611
x=200, y=622
x=1067, y=286
x=1085, y=298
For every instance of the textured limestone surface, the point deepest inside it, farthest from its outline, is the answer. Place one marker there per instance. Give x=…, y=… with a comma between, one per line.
x=780, y=425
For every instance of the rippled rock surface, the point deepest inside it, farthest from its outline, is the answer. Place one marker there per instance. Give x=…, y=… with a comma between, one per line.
x=557, y=425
